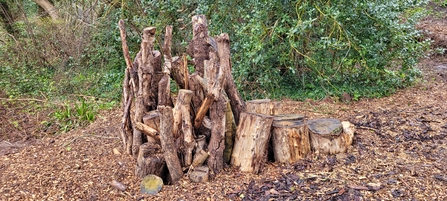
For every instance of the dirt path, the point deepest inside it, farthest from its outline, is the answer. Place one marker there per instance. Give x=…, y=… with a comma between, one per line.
x=399, y=152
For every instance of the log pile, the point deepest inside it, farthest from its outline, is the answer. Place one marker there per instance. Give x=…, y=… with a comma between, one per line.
x=190, y=129
x=207, y=124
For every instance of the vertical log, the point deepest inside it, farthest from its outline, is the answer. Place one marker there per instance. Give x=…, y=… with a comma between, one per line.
x=236, y=101
x=187, y=130
x=260, y=106
x=290, y=139
x=250, y=146
x=167, y=143
x=126, y=129
x=216, y=145
x=150, y=160
x=164, y=91
x=196, y=87
x=199, y=40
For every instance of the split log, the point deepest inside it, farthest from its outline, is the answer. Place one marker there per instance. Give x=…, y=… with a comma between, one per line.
x=195, y=85
x=199, y=41
x=167, y=143
x=290, y=139
x=260, y=106
x=237, y=103
x=206, y=104
x=150, y=160
x=187, y=128
x=250, y=146
x=183, y=98
x=327, y=137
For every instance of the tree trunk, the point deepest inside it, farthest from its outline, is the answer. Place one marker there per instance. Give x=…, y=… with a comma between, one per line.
x=260, y=106
x=236, y=101
x=327, y=137
x=167, y=143
x=216, y=145
x=290, y=139
x=250, y=146
x=187, y=128
x=199, y=41
x=150, y=160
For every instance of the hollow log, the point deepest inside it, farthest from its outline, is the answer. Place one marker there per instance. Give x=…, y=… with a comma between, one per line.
x=250, y=145
x=167, y=143
x=223, y=49
x=260, y=106
x=327, y=137
x=150, y=160
x=290, y=140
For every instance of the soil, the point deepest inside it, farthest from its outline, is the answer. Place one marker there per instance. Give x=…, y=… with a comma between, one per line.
x=399, y=153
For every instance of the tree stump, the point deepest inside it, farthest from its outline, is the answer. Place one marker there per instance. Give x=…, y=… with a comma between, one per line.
x=150, y=160
x=250, y=146
x=290, y=139
x=260, y=106
x=327, y=137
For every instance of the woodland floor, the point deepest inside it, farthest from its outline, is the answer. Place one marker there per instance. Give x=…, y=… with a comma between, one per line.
x=399, y=152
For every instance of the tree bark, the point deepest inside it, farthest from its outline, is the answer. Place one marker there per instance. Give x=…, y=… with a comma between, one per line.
x=216, y=145
x=200, y=44
x=187, y=128
x=167, y=143
x=327, y=137
x=150, y=160
x=260, y=106
x=230, y=130
x=237, y=103
x=250, y=146
x=290, y=139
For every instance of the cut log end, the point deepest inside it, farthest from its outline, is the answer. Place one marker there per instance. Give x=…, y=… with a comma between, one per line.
x=327, y=137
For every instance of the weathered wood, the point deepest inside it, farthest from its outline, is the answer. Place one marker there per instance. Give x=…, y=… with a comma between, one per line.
x=150, y=160
x=250, y=146
x=167, y=50
x=348, y=132
x=164, y=91
x=290, y=140
x=200, y=174
x=200, y=44
x=216, y=145
x=150, y=132
x=126, y=126
x=185, y=71
x=199, y=158
x=196, y=87
x=260, y=106
x=237, y=103
x=187, y=128
x=184, y=97
x=230, y=130
x=201, y=143
x=289, y=117
x=326, y=136
x=206, y=104
x=167, y=143
x=152, y=119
